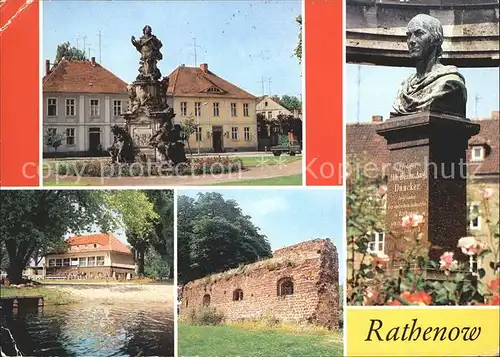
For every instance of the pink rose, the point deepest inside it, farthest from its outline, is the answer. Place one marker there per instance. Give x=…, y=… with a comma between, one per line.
x=470, y=246
x=487, y=193
x=413, y=220
x=446, y=261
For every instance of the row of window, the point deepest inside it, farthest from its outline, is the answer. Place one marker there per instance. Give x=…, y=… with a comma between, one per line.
x=94, y=107
x=216, y=109
x=234, y=133
x=69, y=137
x=284, y=287
x=377, y=239
x=79, y=262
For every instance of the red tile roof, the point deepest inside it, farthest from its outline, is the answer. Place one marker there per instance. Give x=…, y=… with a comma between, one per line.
x=82, y=77
x=363, y=141
x=103, y=242
x=195, y=82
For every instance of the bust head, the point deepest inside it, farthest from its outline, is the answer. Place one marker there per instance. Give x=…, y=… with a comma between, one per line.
x=147, y=30
x=424, y=37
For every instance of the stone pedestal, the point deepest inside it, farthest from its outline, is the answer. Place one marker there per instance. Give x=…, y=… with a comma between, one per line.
x=427, y=176
x=141, y=128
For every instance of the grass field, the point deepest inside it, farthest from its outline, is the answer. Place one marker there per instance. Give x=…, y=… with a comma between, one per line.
x=291, y=180
x=51, y=296
x=221, y=341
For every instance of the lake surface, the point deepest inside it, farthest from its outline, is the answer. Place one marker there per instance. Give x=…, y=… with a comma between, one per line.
x=92, y=329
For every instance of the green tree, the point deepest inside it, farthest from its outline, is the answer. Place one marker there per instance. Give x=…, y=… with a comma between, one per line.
x=214, y=235
x=53, y=139
x=34, y=222
x=70, y=53
x=298, y=49
x=291, y=102
x=155, y=266
x=189, y=127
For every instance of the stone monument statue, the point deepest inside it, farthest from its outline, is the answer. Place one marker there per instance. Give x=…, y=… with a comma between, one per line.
x=434, y=87
x=149, y=120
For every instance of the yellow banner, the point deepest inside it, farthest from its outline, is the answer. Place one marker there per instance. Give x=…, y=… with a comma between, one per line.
x=418, y=332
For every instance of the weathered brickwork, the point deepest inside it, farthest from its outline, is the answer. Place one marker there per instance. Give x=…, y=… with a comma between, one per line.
x=299, y=284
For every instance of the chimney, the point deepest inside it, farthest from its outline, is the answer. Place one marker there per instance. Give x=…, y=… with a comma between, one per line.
x=204, y=67
x=377, y=118
x=92, y=61
x=47, y=67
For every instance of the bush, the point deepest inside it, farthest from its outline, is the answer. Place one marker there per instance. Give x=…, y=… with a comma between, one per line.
x=205, y=316
x=97, y=168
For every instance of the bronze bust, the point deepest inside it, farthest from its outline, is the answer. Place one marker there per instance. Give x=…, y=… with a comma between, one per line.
x=434, y=87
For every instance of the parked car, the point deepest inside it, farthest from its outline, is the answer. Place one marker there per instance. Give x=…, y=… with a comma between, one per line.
x=292, y=148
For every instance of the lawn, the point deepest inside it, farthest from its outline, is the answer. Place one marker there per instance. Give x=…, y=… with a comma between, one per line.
x=266, y=160
x=51, y=296
x=221, y=341
x=291, y=180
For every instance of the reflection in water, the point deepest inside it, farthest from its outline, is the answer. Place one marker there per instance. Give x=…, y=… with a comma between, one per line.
x=92, y=330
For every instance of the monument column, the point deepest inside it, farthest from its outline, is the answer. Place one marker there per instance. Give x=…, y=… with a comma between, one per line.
x=428, y=177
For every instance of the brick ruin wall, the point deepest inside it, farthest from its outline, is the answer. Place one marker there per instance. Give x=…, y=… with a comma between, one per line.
x=312, y=267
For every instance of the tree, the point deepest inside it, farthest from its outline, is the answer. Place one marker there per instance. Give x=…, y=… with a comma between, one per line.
x=291, y=102
x=214, y=235
x=298, y=49
x=156, y=266
x=290, y=124
x=36, y=221
x=53, y=139
x=189, y=127
x=70, y=53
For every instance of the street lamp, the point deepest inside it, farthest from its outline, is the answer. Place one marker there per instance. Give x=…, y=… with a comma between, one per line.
x=198, y=138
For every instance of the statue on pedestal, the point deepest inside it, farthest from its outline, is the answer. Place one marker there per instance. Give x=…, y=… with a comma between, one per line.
x=122, y=150
x=149, y=46
x=434, y=87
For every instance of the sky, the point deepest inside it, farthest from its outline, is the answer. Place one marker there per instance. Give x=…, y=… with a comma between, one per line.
x=242, y=41
x=291, y=216
x=379, y=85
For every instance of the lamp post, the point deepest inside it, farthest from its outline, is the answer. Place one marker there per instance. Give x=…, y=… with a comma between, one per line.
x=198, y=139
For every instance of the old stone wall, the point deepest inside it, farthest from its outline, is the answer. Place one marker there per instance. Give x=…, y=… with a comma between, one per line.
x=299, y=284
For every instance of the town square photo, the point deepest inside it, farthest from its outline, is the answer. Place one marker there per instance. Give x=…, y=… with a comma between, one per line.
x=422, y=144
x=159, y=93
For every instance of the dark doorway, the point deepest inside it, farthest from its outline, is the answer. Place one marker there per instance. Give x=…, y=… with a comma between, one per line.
x=94, y=139
x=217, y=138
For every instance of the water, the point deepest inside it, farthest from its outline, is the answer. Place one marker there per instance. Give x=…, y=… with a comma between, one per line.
x=120, y=329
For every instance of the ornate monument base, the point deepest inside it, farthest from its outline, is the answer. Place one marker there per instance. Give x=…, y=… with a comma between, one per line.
x=427, y=176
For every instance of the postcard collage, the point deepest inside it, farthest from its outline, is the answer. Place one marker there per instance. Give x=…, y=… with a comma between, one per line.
x=293, y=178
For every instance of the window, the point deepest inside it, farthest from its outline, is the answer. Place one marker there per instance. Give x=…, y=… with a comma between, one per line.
x=91, y=261
x=184, y=108
x=197, y=109
x=198, y=134
x=117, y=108
x=58, y=262
x=234, y=133
x=74, y=261
x=52, y=262
x=474, y=218
x=94, y=107
x=245, y=110
x=100, y=260
x=246, y=132
x=52, y=131
x=82, y=262
x=477, y=153
x=216, y=109
x=377, y=242
x=66, y=262
x=265, y=104
x=238, y=295
x=269, y=115
x=206, y=300
x=285, y=287
x=233, y=110
x=70, y=136
x=52, y=107
x=70, y=107
x=214, y=90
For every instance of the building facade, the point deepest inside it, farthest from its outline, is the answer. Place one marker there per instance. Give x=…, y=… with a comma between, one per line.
x=91, y=257
x=483, y=159
x=270, y=109
x=81, y=101
x=225, y=114
x=298, y=284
